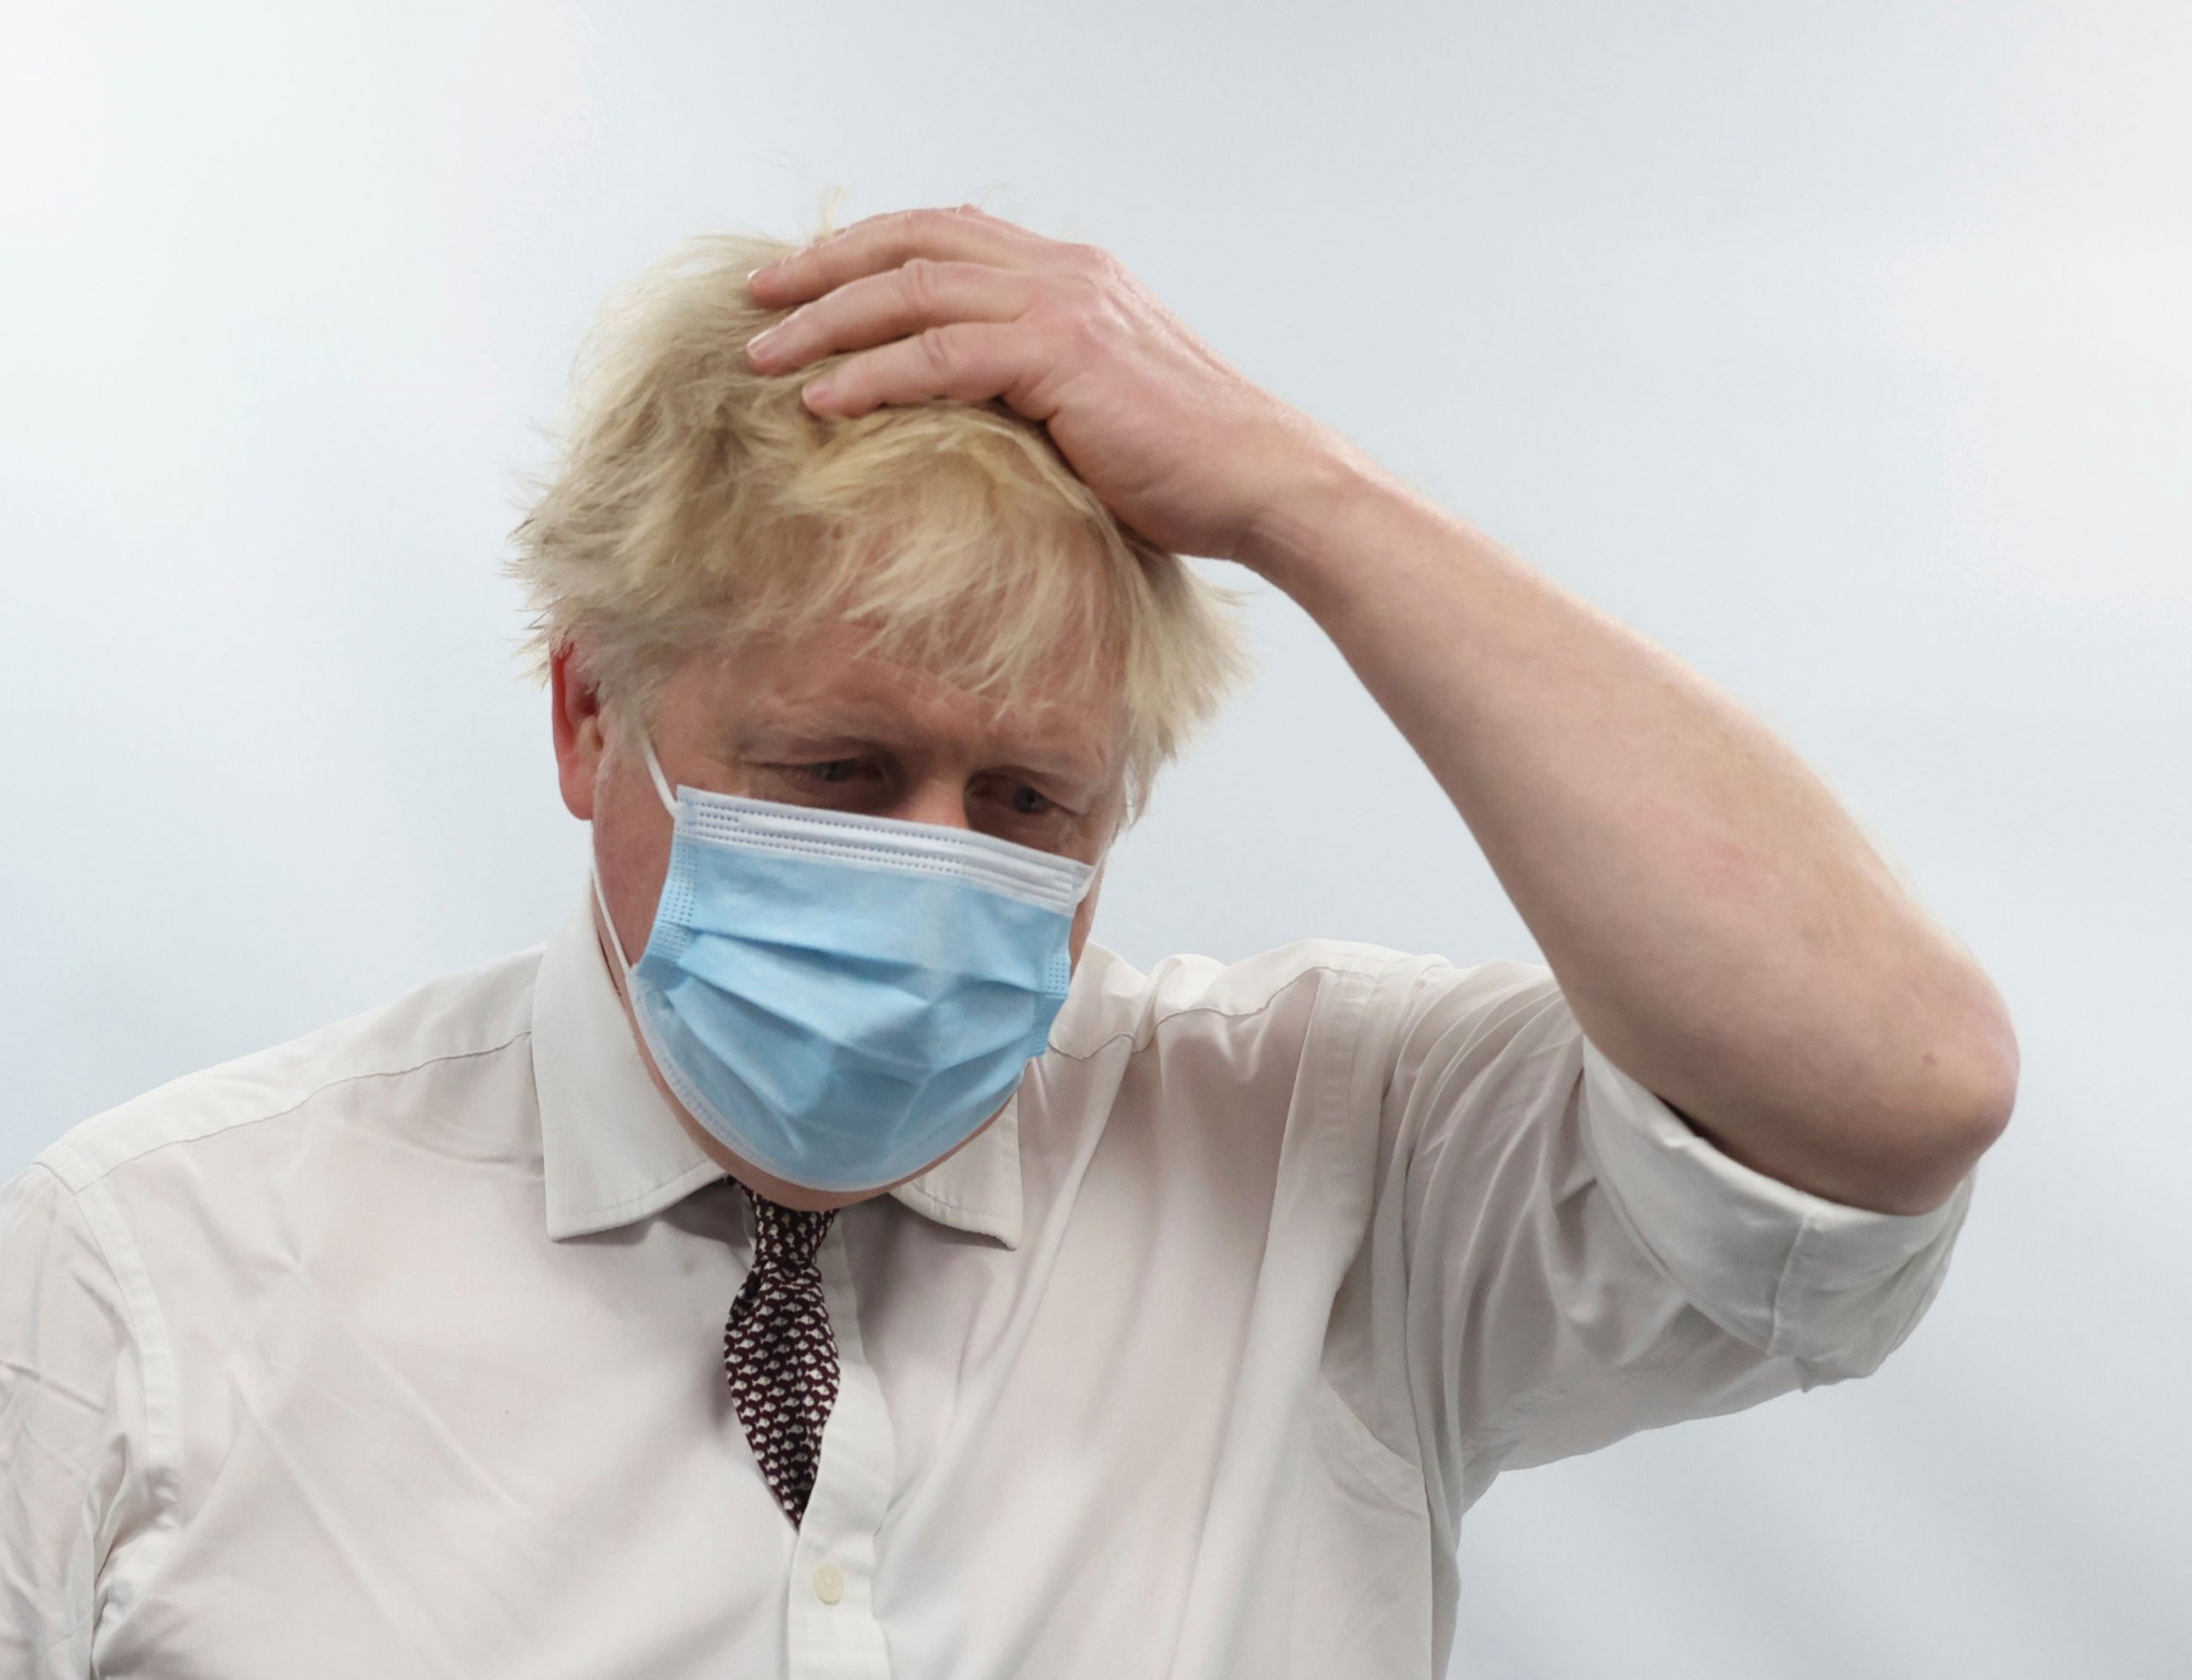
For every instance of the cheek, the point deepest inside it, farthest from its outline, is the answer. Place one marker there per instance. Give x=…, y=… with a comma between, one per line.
x=631, y=843
x=1083, y=919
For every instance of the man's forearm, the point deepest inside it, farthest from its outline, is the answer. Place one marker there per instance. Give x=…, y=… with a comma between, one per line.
x=1718, y=924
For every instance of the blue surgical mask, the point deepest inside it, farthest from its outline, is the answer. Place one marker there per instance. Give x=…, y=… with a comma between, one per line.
x=843, y=1000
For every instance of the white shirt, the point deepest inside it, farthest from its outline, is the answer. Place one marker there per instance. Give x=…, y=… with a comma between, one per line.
x=398, y=1350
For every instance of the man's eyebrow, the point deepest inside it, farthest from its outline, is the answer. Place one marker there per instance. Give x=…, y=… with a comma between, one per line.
x=825, y=732
x=1072, y=766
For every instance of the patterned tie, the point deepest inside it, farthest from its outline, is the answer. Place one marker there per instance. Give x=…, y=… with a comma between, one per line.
x=778, y=1350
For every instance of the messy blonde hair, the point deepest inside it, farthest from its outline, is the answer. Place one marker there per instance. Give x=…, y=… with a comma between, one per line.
x=697, y=502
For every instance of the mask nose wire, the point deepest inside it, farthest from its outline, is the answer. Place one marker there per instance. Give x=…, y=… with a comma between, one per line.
x=670, y=804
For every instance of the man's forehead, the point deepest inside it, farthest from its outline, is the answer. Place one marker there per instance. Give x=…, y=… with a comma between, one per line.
x=1081, y=739
x=866, y=698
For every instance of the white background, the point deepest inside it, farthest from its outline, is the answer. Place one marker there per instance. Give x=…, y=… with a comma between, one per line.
x=1843, y=349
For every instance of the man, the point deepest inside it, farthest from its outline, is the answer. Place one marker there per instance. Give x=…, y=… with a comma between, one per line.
x=821, y=1259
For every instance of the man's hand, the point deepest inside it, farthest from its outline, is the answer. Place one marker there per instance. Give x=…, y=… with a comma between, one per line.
x=959, y=305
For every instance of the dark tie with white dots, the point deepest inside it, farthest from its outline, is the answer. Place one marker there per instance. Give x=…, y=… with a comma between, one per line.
x=778, y=1350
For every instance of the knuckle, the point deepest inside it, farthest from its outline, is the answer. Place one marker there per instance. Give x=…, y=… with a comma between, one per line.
x=939, y=347
x=1088, y=333
x=917, y=282
x=1082, y=291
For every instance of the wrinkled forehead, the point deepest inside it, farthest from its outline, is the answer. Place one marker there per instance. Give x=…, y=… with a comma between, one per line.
x=829, y=685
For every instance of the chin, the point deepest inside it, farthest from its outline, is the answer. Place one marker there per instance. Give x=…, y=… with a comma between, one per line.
x=803, y=1197
x=800, y=1196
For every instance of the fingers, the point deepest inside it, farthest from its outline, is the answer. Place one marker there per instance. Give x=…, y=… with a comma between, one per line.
x=966, y=361
x=881, y=242
x=876, y=308
x=934, y=301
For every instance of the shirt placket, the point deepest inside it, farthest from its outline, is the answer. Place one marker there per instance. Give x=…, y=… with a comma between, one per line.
x=831, y=1630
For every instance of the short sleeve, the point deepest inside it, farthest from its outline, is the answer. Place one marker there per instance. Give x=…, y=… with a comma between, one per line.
x=1581, y=1265
x=70, y=1425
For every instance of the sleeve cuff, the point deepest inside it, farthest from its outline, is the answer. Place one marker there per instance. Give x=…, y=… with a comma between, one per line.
x=1791, y=1272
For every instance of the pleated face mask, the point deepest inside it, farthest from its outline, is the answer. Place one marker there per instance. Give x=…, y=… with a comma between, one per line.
x=842, y=1000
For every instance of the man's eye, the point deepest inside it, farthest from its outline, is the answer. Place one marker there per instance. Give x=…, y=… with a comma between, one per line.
x=1042, y=806
x=824, y=772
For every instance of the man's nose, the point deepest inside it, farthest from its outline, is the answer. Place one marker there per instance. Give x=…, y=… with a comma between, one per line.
x=936, y=801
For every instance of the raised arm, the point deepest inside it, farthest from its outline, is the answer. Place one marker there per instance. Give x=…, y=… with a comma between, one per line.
x=1722, y=929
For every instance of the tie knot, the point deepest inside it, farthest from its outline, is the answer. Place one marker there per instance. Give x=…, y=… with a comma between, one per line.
x=786, y=1237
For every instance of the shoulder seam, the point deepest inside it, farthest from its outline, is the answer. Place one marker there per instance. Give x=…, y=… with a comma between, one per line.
x=61, y=1145
x=1214, y=1009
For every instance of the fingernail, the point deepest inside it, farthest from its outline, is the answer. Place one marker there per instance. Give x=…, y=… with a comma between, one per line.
x=763, y=342
x=751, y=273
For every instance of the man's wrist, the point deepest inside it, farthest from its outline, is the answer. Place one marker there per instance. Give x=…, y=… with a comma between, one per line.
x=1288, y=524
x=1329, y=500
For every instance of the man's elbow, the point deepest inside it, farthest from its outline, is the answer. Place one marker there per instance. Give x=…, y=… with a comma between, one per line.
x=1907, y=1159
x=1967, y=1120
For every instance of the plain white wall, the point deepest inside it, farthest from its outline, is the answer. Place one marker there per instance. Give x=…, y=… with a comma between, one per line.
x=1843, y=349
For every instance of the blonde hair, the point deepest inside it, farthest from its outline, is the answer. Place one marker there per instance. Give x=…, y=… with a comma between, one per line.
x=697, y=502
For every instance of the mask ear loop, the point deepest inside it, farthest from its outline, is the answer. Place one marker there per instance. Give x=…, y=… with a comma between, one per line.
x=593, y=868
x=654, y=769
x=616, y=945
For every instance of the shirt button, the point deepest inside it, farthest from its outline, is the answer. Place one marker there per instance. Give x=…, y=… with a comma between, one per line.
x=829, y=1584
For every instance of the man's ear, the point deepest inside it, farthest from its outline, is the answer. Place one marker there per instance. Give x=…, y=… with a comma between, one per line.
x=579, y=729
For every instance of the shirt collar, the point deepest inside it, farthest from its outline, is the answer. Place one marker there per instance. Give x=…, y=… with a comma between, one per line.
x=613, y=1152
